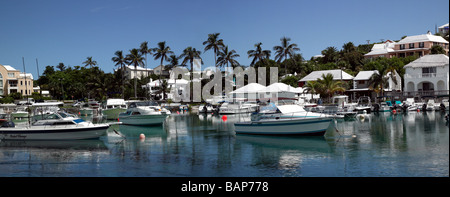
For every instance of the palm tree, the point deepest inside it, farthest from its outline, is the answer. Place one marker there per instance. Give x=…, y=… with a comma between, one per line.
x=330, y=55
x=161, y=52
x=189, y=54
x=89, y=62
x=311, y=87
x=135, y=58
x=145, y=50
x=284, y=50
x=379, y=80
x=226, y=57
x=173, y=62
x=120, y=60
x=213, y=42
x=328, y=86
x=258, y=54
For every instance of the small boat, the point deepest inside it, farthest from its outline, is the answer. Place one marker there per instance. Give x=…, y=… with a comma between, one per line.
x=430, y=105
x=237, y=108
x=444, y=106
x=292, y=120
x=364, y=104
x=113, y=107
x=53, y=127
x=206, y=108
x=144, y=113
x=90, y=108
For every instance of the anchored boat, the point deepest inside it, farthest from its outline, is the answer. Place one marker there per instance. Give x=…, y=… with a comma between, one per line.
x=53, y=127
x=292, y=120
x=144, y=113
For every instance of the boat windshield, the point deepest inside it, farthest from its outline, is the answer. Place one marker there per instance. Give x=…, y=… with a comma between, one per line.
x=143, y=103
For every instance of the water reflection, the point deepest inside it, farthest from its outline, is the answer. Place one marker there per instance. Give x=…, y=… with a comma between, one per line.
x=380, y=144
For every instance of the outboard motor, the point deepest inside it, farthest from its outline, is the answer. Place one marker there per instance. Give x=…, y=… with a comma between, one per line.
x=424, y=107
x=442, y=107
x=376, y=107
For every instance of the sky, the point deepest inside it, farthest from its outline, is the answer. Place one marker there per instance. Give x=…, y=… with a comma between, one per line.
x=68, y=31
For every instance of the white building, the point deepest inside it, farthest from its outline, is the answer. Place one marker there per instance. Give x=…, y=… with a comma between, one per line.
x=337, y=75
x=427, y=76
x=139, y=72
x=443, y=29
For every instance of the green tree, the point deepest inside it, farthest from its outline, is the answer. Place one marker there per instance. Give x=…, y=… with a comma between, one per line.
x=144, y=51
x=328, y=86
x=120, y=61
x=89, y=62
x=135, y=58
x=258, y=54
x=226, y=57
x=189, y=54
x=213, y=42
x=437, y=49
x=285, y=49
x=162, y=52
x=311, y=87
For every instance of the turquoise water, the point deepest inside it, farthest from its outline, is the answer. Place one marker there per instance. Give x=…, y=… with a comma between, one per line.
x=383, y=145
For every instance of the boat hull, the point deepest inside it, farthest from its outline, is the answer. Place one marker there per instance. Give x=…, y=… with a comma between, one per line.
x=300, y=126
x=143, y=120
x=53, y=133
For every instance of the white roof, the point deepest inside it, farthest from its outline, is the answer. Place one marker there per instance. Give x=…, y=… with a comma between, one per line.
x=422, y=38
x=313, y=76
x=131, y=67
x=364, y=75
x=28, y=75
x=9, y=68
x=250, y=88
x=279, y=87
x=382, y=48
x=443, y=26
x=429, y=61
x=157, y=83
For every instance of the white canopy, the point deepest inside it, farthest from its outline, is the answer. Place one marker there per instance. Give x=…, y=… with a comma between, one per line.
x=249, y=88
x=279, y=87
x=286, y=109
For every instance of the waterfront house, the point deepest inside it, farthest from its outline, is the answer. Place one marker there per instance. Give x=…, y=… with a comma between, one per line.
x=361, y=84
x=337, y=75
x=443, y=30
x=419, y=45
x=427, y=76
x=12, y=80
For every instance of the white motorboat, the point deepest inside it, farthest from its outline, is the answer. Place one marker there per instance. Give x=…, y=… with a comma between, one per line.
x=444, y=106
x=293, y=120
x=364, y=104
x=113, y=107
x=53, y=127
x=430, y=105
x=144, y=113
x=237, y=108
x=90, y=108
x=206, y=108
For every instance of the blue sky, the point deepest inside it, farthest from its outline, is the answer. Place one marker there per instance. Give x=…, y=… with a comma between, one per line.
x=69, y=31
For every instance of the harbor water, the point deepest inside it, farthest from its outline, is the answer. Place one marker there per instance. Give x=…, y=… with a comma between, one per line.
x=190, y=145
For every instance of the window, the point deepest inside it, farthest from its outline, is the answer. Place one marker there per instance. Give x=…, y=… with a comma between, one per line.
x=421, y=44
x=10, y=74
x=411, y=45
x=429, y=70
x=21, y=83
x=402, y=46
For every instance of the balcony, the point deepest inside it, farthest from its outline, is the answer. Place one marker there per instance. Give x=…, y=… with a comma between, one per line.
x=426, y=75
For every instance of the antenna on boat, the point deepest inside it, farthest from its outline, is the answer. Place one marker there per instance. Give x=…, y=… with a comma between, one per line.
x=26, y=90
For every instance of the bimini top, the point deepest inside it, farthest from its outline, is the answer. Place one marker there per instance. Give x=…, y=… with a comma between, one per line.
x=429, y=61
